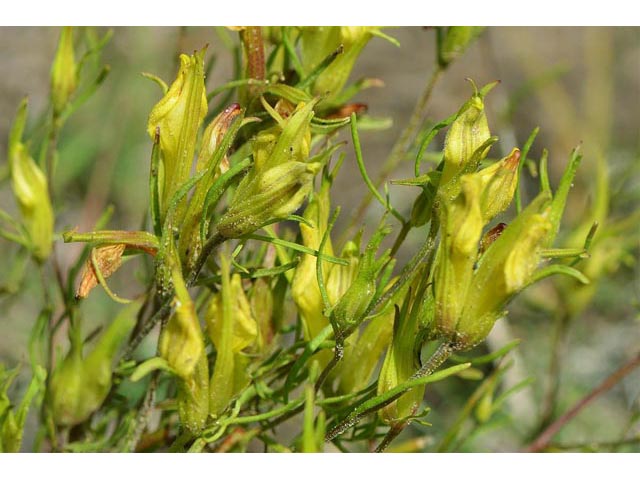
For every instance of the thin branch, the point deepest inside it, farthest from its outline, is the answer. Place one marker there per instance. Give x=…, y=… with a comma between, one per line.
x=596, y=445
x=544, y=439
x=403, y=143
x=393, y=432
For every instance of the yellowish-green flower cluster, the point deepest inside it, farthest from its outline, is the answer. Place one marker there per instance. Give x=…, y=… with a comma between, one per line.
x=253, y=311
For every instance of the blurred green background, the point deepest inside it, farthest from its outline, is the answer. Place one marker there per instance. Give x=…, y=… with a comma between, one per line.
x=579, y=85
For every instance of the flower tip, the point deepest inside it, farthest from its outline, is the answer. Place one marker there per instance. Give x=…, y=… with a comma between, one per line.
x=488, y=87
x=67, y=236
x=234, y=107
x=473, y=84
x=513, y=159
x=229, y=114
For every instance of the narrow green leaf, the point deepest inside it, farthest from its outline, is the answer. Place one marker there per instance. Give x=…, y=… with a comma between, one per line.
x=427, y=140
x=563, y=253
x=363, y=171
x=150, y=365
x=292, y=94
x=158, y=81
x=296, y=247
x=322, y=66
x=523, y=159
x=381, y=400
x=560, y=197
x=500, y=399
x=559, y=269
x=235, y=84
x=544, y=172
x=86, y=94
x=154, y=180
x=291, y=52
x=490, y=357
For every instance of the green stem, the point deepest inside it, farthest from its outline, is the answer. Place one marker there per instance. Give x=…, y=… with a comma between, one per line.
x=393, y=432
x=143, y=415
x=209, y=247
x=403, y=143
x=402, y=235
x=425, y=254
x=421, y=377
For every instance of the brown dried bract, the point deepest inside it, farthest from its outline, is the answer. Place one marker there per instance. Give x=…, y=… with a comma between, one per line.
x=108, y=258
x=491, y=236
x=346, y=110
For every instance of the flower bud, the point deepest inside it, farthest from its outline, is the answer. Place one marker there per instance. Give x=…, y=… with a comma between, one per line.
x=212, y=138
x=193, y=397
x=341, y=277
x=279, y=181
x=261, y=301
x=462, y=226
x=279, y=192
x=31, y=191
x=362, y=353
x=68, y=395
x=243, y=328
x=502, y=271
x=399, y=365
x=182, y=346
x=178, y=115
x=13, y=418
x=349, y=312
x=304, y=285
x=467, y=133
x=64, y=77
x=422, y=208
x=181, y=343
x=498, y=183
x=453, y=42
x=231, y=329
x=80, y=385
x=320, y=42
x=190, y=242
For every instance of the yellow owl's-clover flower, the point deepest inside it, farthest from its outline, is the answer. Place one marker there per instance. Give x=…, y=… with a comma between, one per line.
x=280, y=179
x=177, y=118
x=80, y=384
x=476, y=277
x=64, y=72
x=31, y=191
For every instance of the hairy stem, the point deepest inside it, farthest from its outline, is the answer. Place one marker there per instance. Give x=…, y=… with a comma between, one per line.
x=443, y=352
